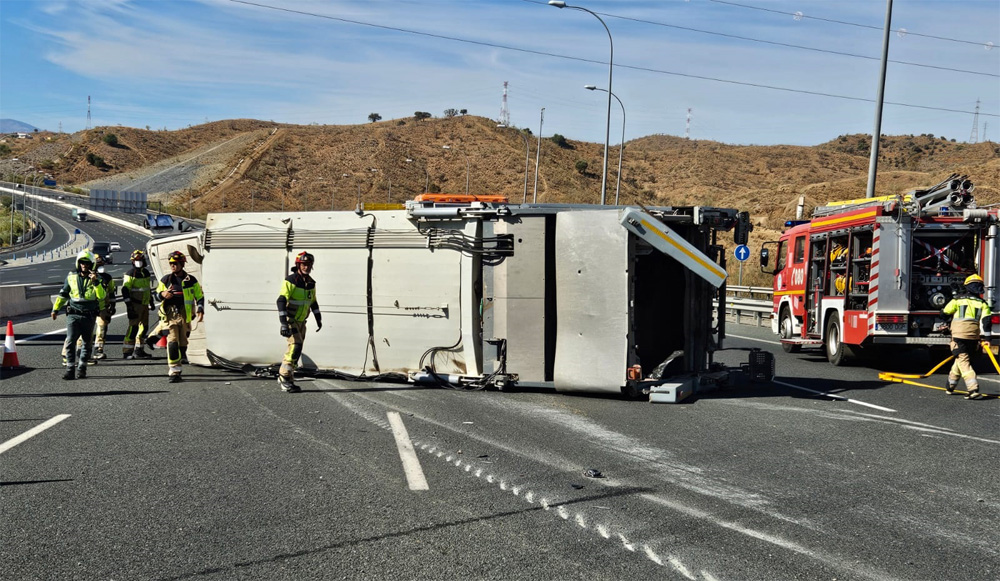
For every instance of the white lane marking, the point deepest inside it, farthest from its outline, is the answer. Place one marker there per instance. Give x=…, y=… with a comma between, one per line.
x=754, y=339
x=411, y=464
x=32, y=432
x=840, y=397
x=945, y=433
x=63, y=331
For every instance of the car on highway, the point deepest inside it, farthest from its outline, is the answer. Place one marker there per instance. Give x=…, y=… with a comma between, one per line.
x=115, y=247
x=104, y=250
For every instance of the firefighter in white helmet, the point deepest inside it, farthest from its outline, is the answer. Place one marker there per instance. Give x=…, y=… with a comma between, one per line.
x=967, y=310
x=84, y=296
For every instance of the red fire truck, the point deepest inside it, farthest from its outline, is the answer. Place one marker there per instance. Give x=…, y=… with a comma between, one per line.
x=877, y=271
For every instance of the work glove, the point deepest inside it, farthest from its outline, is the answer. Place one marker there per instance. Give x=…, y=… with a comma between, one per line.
x=112, y=309
x=319, y=325
x=285, y=331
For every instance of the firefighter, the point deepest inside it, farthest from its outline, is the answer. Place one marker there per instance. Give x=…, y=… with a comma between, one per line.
x=108, y=311
x=296, y=301
x=84, y=297
x=181, y=295
x=138, y=297
x=967, y=310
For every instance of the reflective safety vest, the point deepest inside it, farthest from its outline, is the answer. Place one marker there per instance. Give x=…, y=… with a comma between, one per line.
x=966, y=311
x=83, y=296
x=110, y=289
x=300, y=294
x=137, y=286
x=193, y=297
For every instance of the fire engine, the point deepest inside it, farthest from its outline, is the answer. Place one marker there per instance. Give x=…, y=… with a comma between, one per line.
x=877, y=271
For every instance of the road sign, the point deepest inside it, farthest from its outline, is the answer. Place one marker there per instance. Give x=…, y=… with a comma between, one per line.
x=742, y=252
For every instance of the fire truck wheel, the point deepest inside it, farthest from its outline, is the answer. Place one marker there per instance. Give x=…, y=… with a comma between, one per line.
x=785, y=326
x=838, y=353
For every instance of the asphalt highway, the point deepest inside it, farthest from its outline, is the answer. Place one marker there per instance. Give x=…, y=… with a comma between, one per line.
x=60, y=228
x=825, y=473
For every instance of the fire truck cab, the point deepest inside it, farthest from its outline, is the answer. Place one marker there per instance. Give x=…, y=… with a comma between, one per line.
x=877, y=271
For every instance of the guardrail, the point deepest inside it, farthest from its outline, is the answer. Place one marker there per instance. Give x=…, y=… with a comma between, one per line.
x=743, y=301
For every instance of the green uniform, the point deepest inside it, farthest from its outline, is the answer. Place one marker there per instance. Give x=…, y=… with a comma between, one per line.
x=83, y=299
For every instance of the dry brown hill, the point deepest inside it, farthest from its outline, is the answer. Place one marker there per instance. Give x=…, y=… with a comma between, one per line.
x=238, y=164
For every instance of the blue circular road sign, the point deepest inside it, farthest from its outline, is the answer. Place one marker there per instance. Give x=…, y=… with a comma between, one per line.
x=742, y=252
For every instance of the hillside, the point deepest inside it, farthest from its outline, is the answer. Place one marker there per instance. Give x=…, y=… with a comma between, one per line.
x=234, y=165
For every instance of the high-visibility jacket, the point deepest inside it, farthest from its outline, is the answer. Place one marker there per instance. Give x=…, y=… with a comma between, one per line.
x=83, y=296
x=297, y=298
x=966, y=310
x=110, y=289
x=193, y=299
x=137, y=287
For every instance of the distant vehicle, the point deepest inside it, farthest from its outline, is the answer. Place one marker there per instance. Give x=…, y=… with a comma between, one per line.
x=60, y=197
x=159, y=223
x=116, y=247
x=48, y=182
x=79, y=214
x=104, y=250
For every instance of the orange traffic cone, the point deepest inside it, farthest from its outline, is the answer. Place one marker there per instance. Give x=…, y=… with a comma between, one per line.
x=10, y=348
x=162, y=343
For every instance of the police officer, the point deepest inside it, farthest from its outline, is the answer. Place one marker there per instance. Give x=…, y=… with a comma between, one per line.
x=138, y=297
x=296, y=300
x=181, y=295
x=107, y=311
x=84, y=296
x=967, y=309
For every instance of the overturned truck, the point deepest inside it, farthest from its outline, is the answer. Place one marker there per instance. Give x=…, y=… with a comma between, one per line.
x=576, y=298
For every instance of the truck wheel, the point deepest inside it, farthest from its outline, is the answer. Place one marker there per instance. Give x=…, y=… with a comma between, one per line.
x=785, y=329
x=838, y=353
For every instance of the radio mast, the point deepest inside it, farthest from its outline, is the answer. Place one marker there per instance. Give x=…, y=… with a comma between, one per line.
x=504, y=111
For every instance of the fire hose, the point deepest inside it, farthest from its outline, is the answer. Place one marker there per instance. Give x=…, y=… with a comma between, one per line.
x=909, y=378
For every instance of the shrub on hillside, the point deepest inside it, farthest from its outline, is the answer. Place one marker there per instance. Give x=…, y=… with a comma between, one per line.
x=111, y=139
x=560, y=141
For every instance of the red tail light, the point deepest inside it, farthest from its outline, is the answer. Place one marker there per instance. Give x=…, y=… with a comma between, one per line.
x=890, y=319
x=995, y=320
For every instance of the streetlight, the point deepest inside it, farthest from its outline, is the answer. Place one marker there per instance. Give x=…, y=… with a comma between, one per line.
x=621, y=148
x=538, y=153
x=611, y=68
x=527, y=155
x=466, y=168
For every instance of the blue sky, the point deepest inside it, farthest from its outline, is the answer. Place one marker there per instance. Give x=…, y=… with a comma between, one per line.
x=751, y=70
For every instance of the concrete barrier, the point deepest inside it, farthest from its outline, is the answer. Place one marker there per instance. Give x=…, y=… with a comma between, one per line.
x=23, y=299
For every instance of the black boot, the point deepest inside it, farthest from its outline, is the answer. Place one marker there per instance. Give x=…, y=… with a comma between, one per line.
x=81, y=373
x=70, y=374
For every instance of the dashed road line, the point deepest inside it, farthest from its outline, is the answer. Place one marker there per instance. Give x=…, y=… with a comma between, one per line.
x=411, y=464
x=840, y=397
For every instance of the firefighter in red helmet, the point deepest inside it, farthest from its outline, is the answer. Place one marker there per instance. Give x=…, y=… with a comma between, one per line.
x=181, y=297
x=296, y=300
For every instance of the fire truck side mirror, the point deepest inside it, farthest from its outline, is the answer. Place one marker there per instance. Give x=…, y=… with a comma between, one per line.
x=741, y=234
x=764, y=256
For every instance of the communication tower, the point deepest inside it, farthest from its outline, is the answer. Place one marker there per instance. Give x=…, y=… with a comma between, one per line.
x=974, y=138
x=88, y=111
x=504, y=111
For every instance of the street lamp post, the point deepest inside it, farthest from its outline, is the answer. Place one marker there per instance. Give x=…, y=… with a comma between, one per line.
x=621, y=148
x=611, y=68
x=527, y=156
x=538, y=153
x=467, y=171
